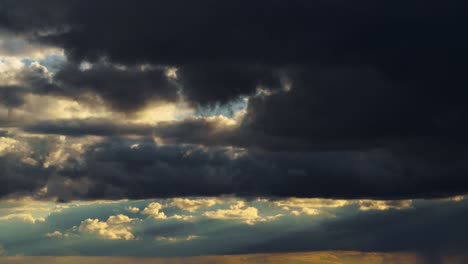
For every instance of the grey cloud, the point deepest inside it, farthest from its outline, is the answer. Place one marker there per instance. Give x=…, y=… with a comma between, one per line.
x=11, y=96
x=24, y=164
x=86, y=127
x=20, y=178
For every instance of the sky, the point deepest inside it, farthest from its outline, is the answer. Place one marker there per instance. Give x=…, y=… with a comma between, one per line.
x=236, y=131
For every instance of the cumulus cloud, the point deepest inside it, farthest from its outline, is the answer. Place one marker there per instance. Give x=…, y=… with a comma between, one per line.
x=154, y=210
x=182, y=217
x=239, y=211
x=57, y=233
x=132, y=209
x=193, y=205
x=117, y=227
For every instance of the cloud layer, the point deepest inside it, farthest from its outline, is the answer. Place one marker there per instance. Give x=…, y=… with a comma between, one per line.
x=278, y=99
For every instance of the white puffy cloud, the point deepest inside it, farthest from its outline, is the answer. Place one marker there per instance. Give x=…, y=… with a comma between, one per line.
x=132, y=209
x=7, y=144
x=239, y=211
x=117, y=227
x=305, y=211
x=153, y=210
x=193, y=205
x=56, y=233
x=308, y=206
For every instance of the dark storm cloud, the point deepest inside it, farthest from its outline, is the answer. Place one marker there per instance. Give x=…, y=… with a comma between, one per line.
x=120, y=168
x=412, y=42
x=271, y=31
x=30, y=16
x=360, y=106
x=363, y=75
x=207, y=83
x=123, y=168
x=125, y=89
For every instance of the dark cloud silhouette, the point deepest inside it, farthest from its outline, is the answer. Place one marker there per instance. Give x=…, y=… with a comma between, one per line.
x=142, y=169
